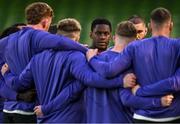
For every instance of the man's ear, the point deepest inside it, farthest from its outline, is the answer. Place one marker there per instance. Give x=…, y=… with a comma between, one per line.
x=90, y=35
x=111, y=37
x=44, y=23
x=149, y=27
x=171, y=26
x=146, y=30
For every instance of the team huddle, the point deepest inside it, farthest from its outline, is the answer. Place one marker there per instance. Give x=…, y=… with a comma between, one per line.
x=49, y=77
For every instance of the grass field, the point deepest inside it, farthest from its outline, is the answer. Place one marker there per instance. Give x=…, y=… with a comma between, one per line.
x=86, y=10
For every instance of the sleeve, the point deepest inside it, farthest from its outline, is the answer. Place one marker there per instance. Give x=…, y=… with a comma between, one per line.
x=128, y=99
x=44, y=40
x=67, y=95
x=22, y=82
x=3, y=43
x=163, y=87
x=81, y=71
x=116, y=66
x=7, y=92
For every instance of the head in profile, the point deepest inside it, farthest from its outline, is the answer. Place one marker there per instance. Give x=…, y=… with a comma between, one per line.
x=140, y=26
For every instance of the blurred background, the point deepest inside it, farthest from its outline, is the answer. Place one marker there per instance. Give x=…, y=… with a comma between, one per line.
x=12, y=11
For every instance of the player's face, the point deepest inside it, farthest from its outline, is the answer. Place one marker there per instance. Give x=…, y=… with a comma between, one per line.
x=141, y=30
x=101, y=35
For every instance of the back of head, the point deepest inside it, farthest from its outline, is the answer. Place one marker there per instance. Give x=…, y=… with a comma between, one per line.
x=99, y=21
x=135, y=19
x=160, y=16
x=126, y=29
x=35, y=12
x=53, y=29
x=69, y=27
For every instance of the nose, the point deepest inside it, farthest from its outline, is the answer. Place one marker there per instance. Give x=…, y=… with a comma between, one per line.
x=103, y=36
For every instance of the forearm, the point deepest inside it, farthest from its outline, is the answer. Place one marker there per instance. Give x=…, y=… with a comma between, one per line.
x=13, y=82
x=110, y=69
x=7, y=92
x=81, y=70
x=128, y=99
x=164, y=87
x=50, y=41
x=67, y=95
x=95, y=80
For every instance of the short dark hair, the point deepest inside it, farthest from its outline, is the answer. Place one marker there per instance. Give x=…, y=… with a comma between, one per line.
x=12, y=29
x=35, y=12
x=136, y=19
x=160, y=15
x=126, y=29
x=53, y=29
x=99, y=21
x=18, y=24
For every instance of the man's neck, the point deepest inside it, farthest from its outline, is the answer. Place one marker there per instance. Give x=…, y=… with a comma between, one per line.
x=99, y=50
x=162, y=31
x=119, y=46
x=38, y=27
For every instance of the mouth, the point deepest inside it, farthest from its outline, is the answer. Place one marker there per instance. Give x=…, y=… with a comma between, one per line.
x=102, y=43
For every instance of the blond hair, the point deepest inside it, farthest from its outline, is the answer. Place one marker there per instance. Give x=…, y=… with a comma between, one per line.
x=68, y=27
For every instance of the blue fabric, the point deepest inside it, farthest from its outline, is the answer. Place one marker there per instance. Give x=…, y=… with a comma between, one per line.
x=18, y=48
x=168, y=86
x=5, y=91
x=51, y=72
x=153, y=59
x=69, y=94
x=110, y=104
x=104, y=105
x=1, y=116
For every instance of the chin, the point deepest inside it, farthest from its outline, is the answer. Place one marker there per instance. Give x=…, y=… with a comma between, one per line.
x=102, y=49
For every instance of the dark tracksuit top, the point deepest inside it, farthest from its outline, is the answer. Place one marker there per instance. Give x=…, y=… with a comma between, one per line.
x=17, y=50
x=153, y=59
x=108, y=103
x=51, y=72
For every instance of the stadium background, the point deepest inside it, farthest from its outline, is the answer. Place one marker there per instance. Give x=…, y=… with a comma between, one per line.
x=12, y=11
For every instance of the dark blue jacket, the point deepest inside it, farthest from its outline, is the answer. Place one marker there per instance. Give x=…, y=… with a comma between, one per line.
x=51, y=72
x=110, y=104
x=153, y=59
x=17, y=50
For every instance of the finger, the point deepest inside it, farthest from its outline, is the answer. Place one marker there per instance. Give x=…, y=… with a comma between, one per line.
x=132, y=75
x=169, y=102
x=35, y=111
x=133, y=84
x=170, y=97
x=132, y=81
x=36, y=107
x=6, y=66
x=96, y=50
